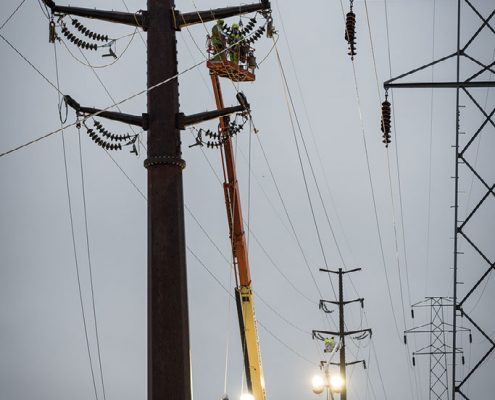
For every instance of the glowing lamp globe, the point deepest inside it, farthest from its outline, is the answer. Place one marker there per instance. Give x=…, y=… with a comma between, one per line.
x=336, y=383
x=318, y=384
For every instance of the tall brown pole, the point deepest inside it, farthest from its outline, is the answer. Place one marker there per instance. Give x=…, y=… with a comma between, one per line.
x=168, y=324
x=168, y=320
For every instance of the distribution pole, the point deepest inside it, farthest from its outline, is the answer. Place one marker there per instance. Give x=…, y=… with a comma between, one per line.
x=342, y=333
x=343, y=395
x=168, y=323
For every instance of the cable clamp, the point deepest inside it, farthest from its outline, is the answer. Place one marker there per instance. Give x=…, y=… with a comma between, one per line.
x=165, y=160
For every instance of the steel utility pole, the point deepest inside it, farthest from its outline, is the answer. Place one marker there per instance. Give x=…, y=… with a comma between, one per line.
x=168, y=325
x=342, y=333
x=467, y=87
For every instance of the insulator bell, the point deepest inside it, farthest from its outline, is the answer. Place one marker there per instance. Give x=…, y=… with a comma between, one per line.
x=90, y=34
x=350, y=33
x=386, y=122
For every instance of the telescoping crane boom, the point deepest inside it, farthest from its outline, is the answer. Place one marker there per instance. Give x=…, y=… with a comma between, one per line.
x=243, y=291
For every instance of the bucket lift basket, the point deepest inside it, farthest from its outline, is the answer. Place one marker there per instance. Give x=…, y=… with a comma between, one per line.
x=237, y=72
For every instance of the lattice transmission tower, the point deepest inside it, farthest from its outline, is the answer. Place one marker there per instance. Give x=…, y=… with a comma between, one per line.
x=437, y=349
x=473, y=74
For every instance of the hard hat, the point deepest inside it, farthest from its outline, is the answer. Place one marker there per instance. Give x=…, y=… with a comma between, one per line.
x=235, y=25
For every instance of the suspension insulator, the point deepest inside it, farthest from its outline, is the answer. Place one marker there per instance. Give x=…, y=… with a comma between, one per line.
x=350, y=33
x=386, y=122
x=78, y=42
x=86, y=32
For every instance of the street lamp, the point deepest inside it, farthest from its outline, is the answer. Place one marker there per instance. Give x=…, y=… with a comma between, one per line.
x=318, y=384
x=336, y=383
x=332, y=384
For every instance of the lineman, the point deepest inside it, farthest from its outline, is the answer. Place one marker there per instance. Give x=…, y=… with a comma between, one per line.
x=234, y=43
x=329, y=344
x=218, y=40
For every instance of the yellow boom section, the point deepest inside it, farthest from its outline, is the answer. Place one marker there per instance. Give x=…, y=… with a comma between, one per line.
x=251, y=348
x=244, y=294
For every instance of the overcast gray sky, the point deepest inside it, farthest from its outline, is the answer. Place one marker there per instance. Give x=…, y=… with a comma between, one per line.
x=43, y=352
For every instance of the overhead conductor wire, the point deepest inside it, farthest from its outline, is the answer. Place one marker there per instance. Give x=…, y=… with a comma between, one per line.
x=271, y=172
x=289, y=99
x=320, y=162
x=374, y=205
x=428, y=220
x=137, y=94
x=396, y=147
x=74, y=239
x=12, y=14
x=324, y=175
x=90, y=265
x=313, y=137
x=251, y=126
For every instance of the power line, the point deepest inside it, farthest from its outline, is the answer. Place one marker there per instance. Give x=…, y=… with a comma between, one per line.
x=31, y=65
x=396, y=147
x=115, y=104
x=258, y=242
x=90, y=266
x=304, y=175
x=259, y=322
x=428, y=223
x=75, y=248
x=308, y=119
x=310, y=165
x=220, y=252
x=11, y=15
x=87, y=63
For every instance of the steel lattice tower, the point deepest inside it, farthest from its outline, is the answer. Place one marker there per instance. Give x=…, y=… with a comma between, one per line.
x=437, y=349
x=467, y=87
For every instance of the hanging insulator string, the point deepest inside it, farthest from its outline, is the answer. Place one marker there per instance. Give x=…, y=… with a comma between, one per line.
x=350, y=32
x=386, y=120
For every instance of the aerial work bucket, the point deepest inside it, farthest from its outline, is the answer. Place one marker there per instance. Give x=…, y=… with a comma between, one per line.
x=230, y=56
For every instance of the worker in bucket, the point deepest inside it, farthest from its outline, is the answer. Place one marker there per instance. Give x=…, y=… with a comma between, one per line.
x=218, y=41
x=329, y=344
x=234, y=43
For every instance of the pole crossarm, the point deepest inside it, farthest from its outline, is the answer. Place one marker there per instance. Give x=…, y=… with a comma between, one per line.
x=141, y=121
x=343, y=272
x=317, y=334
x=350, y=363
x=323, y=302
x=184, y=121
x=196, y=17
x=440, y=85
x=139, y=20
